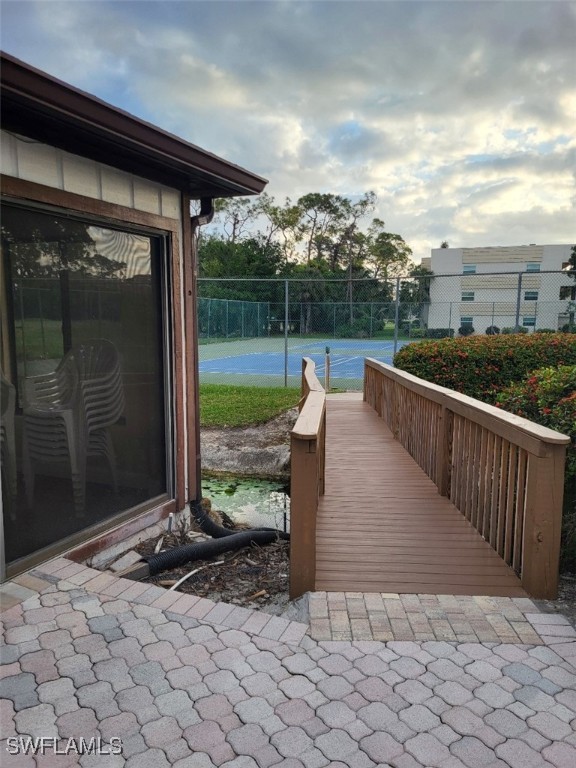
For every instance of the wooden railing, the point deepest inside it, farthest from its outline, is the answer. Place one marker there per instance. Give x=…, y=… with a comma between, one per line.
x=307, y=445
x=504, y=473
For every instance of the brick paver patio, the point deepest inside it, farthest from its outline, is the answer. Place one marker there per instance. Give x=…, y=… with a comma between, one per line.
x=410, y=681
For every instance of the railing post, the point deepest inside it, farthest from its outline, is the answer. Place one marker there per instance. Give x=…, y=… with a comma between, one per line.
x=543, y=523
x=303, y=504
x=444, y=451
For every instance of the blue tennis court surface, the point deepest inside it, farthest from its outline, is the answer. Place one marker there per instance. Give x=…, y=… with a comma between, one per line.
x=346, y=358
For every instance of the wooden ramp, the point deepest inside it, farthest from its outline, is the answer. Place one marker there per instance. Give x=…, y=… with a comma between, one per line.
x=382, y=525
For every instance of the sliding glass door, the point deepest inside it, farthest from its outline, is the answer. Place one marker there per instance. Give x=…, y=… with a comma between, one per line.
x=85, y=420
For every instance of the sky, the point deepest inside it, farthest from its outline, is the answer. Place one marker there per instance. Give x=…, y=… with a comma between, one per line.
x=460, y=115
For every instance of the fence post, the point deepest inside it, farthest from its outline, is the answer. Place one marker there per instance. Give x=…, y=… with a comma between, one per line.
x=396, y=314
x=518, y=300
x=286, y=296
x=543, y=523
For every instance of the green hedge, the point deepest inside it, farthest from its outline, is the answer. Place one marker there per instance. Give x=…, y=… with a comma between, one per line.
x=481, y=366
x=548, y=397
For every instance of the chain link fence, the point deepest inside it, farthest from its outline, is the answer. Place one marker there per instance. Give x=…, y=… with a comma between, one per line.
x=257, y=331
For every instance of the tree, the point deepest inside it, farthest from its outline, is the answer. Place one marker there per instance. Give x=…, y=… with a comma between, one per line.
x=415, y=293
x=283, y=221
x=330, y=226
x=444, y=244
x=253, y=257
x=237, y=215
x=321, y=216
x=388, y=255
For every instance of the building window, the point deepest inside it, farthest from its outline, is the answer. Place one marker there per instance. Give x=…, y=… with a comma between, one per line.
x=467, y=295
x=469, y=269
x=533, y=266
x=467, y=320
x=529, y=322
x=530, y=295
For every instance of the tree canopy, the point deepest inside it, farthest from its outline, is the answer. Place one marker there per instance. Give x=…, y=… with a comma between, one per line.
x=322, y=234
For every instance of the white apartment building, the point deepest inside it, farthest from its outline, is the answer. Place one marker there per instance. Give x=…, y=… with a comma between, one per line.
x=501, y=286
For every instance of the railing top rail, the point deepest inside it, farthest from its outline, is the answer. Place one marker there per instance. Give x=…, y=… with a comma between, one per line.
x=312, y=380
x=522, y=432
x=309, y=421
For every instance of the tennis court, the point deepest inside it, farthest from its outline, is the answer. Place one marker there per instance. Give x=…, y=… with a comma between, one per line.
x=268, y=361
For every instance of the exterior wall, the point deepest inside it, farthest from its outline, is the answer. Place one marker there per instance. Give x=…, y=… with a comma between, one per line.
x=29, y=160
x=90, y=188
x=496, y=295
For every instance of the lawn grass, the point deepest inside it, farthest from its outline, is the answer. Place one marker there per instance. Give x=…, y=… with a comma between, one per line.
x=224, y=405
x=42, y=339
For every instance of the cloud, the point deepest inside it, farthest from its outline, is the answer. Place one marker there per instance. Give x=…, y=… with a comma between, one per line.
x=459, y=115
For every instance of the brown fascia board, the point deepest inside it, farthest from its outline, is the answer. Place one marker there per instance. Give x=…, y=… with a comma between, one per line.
x=43, y=108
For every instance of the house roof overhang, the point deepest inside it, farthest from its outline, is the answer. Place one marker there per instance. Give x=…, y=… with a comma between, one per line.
x=43, y=108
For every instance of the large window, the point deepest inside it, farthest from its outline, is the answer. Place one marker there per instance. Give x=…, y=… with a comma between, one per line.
x=533, y=266
x=84, y=420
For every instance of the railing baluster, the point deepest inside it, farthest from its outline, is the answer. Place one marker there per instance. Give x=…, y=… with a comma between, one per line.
x=497, y=457
x=511, y=483
x=519, y=510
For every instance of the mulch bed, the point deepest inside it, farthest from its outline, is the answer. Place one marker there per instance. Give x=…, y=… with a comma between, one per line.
x=254, y=577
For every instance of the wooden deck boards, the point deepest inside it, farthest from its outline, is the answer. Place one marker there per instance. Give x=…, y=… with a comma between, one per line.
x=383, y=527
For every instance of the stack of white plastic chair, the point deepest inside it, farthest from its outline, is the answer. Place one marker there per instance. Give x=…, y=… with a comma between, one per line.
x=102, y=396
x=68, y=414
x=8, y=441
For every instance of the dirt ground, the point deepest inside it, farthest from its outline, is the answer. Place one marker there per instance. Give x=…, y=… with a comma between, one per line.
x=259, y=451
x=253, y=577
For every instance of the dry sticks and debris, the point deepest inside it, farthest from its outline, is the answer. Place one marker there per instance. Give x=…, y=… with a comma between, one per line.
x=253, y=576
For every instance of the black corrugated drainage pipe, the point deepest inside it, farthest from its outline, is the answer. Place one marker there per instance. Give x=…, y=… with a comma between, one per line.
x=223, y=540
